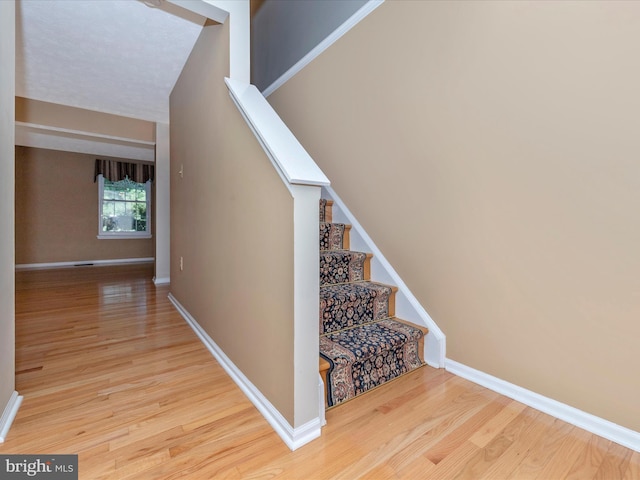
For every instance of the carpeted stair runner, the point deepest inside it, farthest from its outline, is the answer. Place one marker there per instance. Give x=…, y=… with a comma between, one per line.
x=348, y=305
x=362, y=344
x=343, y=266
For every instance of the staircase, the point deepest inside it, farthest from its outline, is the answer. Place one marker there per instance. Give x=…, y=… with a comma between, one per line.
x=362, y=344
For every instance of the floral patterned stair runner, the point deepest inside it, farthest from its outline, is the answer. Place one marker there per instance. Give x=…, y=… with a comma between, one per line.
x=342, y=266
x=348, y=305
x=367, y=356
x=363, y=343
x=332, y=236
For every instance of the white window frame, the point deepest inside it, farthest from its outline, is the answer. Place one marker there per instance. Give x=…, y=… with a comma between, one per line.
x=122, y=235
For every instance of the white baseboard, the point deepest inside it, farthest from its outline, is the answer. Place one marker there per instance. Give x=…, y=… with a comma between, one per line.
x=599, y=426
x=161, y=280
x=84, y=263
x=9, y=414
x=292, y=437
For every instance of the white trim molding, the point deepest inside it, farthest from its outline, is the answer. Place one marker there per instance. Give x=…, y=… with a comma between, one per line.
x=321, y=401
x=292, y=162
x=124, y=236
x=84, y=263
x=303, y=178
x=162, y=201
x=101, y=136
x=239, y=30
x=351, y=22
x=596, y=425
x=9, y=414
x=292, y=437
x=161, y=280
x=407, y=305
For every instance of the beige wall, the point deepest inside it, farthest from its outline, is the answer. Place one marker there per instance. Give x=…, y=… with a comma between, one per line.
x=231, y=221
x=73, y=118
x=7, y=282
x=490, y=149
x=57, y=211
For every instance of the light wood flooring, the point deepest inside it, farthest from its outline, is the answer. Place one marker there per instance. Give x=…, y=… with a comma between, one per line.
x=110, y=371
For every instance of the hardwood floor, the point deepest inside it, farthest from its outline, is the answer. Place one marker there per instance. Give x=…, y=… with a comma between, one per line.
x=110, y=371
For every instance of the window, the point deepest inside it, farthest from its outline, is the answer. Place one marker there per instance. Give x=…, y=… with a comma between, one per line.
x=125, y=209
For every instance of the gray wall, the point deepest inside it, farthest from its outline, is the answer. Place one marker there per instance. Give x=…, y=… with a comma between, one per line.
x=284, y=31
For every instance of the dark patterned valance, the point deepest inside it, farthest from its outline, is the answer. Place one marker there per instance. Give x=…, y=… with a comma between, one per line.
x=116, y=171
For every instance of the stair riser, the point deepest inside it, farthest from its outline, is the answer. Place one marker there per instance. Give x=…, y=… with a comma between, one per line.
x=326, y=210
x=334, y=236
x=345, y=306
x=338, y=267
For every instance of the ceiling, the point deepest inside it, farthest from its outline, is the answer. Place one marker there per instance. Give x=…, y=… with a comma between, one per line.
x=114, y=56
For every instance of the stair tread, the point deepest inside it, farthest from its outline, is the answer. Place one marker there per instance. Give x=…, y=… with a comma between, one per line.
x=347, y=225
x=364, y=285
x=363, y=341
x=344, y=252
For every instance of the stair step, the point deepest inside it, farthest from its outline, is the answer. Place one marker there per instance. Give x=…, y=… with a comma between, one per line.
x=342, y=266
x=366, y=356
x=326, y=210
x=347, y=305
x=334, y=236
